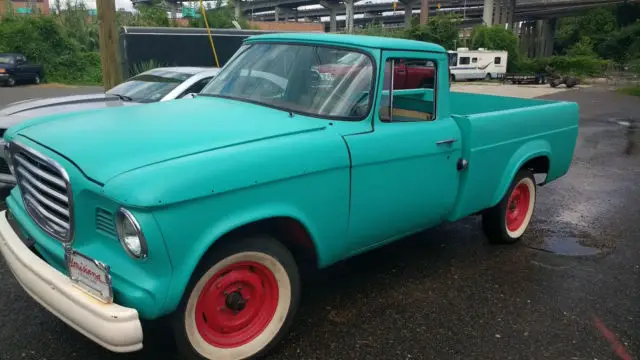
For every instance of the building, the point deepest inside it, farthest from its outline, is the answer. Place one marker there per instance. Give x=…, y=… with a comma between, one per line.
x=25, y=7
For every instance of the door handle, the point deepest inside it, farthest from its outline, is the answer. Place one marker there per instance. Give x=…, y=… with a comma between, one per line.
x=448, y=141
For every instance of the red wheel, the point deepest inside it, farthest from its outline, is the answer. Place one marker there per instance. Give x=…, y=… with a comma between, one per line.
x=240, y=302
x=236, y=304
x=510, y=218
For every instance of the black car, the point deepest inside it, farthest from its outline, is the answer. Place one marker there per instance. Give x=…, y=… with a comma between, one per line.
x=15, y=68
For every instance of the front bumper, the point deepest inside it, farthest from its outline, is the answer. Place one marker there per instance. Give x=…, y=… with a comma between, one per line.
x=112, y=326
x=4, y=78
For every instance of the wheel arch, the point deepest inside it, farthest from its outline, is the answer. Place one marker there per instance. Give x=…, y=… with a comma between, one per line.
x=535, y=155
x=288, y=227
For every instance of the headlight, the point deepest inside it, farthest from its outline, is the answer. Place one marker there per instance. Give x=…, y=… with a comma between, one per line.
x=130, y=234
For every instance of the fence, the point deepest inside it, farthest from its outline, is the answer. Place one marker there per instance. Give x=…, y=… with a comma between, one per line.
x=178, y=46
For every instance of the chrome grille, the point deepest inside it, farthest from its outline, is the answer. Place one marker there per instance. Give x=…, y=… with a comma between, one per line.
x=45, y=191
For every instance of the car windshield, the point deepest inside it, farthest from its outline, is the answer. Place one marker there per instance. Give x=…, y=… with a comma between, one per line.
x=150, y=86
x=287, y=77
x=6, y=59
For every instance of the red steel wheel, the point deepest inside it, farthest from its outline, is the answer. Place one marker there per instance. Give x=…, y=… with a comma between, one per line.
x=236, y=304
x=510, y=218
x=241, y=300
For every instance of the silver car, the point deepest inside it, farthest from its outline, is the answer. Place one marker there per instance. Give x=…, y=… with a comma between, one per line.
x=159, y=84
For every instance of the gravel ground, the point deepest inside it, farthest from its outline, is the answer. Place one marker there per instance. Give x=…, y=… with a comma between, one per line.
x=569, y=290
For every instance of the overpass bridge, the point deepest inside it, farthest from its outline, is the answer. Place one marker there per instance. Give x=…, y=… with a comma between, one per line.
x=385, y=11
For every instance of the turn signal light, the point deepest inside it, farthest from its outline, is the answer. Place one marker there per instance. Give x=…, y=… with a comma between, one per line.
x=2, y=71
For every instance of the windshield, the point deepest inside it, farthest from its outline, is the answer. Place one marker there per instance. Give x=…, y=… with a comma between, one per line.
x=150, y=86
x=287, y=77
x=6, y=59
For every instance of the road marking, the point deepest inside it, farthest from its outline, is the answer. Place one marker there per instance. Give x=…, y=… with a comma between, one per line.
x=619, y=349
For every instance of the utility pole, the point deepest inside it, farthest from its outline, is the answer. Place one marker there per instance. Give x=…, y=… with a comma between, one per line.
x=424, y=11
x=108, y=32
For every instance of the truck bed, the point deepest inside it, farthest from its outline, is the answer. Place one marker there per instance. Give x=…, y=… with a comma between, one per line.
x=504, y=133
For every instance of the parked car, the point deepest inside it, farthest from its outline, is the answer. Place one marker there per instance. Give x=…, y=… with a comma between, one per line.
x=408, y=74
x=160, y=84
x=16, y=68
x=204, y=211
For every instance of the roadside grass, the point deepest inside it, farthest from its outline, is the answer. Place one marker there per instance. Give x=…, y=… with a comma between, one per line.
x=631, y=90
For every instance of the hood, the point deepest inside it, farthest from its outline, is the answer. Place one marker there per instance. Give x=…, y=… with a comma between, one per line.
x=37, y=107
x=109, y=142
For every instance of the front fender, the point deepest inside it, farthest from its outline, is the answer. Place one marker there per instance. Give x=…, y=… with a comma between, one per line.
x=185, y=262
x=525, y=153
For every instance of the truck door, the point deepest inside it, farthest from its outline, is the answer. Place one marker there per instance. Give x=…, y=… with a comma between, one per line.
x=404, y=172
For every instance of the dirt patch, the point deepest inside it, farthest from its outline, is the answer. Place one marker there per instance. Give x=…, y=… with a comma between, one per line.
x=511, y=90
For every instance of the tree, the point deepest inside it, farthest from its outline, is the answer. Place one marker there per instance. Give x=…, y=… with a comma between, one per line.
x=219, y=16
x=441, y=29
x=584, y=47
x=497, y=38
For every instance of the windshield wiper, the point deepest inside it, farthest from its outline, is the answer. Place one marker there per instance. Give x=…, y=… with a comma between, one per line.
x=122, y=97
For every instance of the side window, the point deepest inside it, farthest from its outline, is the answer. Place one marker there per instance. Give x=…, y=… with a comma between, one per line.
x=464, y=60
x=197, y=87
x=474, y=60
x=408, y=93
x=497, y=60
x=21, y=60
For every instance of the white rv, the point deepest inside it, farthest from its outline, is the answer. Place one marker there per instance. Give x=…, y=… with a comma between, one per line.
x=468, y=64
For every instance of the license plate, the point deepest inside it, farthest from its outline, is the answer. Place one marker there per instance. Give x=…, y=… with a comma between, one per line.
x=90, y=275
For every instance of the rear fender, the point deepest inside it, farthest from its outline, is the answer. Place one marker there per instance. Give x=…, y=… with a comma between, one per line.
x=525, y=153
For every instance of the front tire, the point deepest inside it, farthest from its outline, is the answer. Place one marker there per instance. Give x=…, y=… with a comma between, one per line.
x=240, y=302
x=506, y=222
x=11, y=82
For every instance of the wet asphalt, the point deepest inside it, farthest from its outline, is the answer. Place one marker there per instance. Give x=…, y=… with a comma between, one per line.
x=569, y=290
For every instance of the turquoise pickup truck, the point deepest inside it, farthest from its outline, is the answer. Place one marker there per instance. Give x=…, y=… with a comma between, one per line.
x=204, y=211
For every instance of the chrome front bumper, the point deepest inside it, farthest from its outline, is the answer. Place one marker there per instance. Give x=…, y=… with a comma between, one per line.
x=112, y=326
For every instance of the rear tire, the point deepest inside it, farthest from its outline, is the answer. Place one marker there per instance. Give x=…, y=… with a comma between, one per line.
x=506, y=222
x=240, y=301
x=36, y=80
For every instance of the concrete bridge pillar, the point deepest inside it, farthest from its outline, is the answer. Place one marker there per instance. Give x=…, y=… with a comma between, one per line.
x=408, y=11
x=487, y=14
x=333, y=14
x=348, y=4
x=237, y=6
x=546, y=35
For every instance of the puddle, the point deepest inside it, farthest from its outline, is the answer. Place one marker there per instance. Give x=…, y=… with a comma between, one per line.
x=568, y=246
x=633, y=135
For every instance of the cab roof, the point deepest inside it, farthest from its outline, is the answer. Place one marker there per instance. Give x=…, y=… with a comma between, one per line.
x=376, y=42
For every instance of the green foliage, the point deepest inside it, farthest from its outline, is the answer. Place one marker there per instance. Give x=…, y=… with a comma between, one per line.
x=219, y=17
x=44, y=41
x=633, y=90
x=565, y=65
x=623, y=45
x=497, y=38
x=440, y=29
x=584, y=47
x=597, y=25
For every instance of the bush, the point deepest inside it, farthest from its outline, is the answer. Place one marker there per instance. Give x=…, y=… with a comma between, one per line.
x=566, y=65
x=43, y=40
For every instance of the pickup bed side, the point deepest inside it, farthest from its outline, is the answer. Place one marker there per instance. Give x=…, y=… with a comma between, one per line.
x=505, y=133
